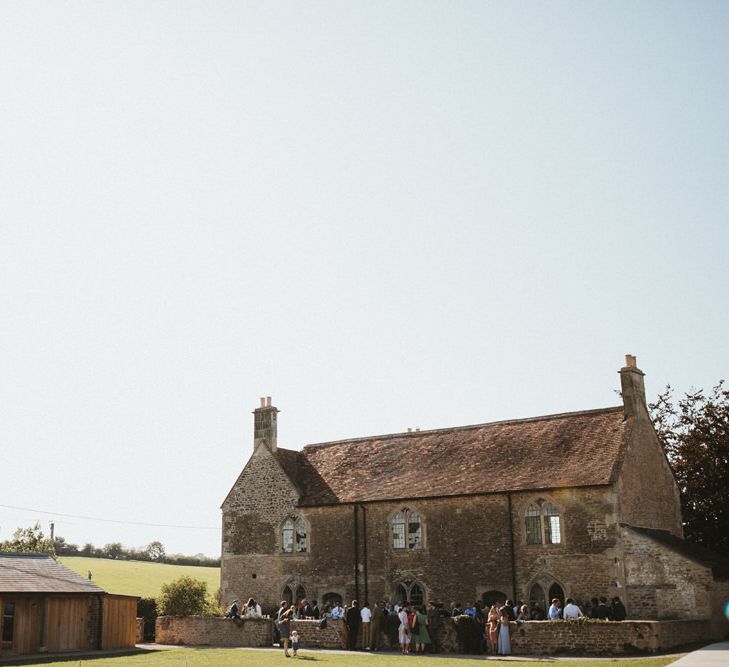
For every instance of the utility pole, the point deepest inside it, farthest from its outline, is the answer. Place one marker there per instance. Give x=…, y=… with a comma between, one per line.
x=53, y=525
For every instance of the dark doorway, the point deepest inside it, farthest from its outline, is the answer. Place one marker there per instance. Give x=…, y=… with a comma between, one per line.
x=332, y=599
x=493, y=597
x=555, y=591
x=300, y=593
x=288, y=595
x=537, y=600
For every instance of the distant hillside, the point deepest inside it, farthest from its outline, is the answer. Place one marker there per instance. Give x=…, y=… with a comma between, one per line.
x=134, y=577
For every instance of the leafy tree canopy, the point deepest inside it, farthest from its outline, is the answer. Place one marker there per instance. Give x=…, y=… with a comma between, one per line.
x=185, y=596
x=694, y=431
x=113, y=550
x=155, y=551
x=29, y=539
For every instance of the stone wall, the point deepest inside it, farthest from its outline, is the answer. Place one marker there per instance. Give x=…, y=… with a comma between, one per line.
x=140, y=630
x=585, y=638
x=213, y=631
x=256, y=507
x=531, y=638
x=583, y=563
x=312, y=636
x=663, y=584
x=647, y=489
x=719, y=607
x=466, y=552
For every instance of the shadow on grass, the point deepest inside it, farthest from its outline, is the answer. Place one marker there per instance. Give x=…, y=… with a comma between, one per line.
x=44, y=658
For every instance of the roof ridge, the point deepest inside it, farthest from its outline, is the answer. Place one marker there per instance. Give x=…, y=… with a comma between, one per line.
x=451, y=429
x=25, y=554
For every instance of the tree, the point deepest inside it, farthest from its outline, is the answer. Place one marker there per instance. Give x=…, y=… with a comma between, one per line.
x=29, y=540
x=185, y=596
x=113, y=550
x=694, y=431
x=155, y=551
x=63, y=548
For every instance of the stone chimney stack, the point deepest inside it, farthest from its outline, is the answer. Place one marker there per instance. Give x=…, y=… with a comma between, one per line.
x=633, y=388
x=264, y=425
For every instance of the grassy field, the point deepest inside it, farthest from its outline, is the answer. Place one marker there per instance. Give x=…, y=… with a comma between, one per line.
x=133, y=577
x=238, y=657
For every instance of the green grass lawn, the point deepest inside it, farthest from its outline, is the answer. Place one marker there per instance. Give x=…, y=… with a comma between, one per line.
x=133, y=577
x=229, y=657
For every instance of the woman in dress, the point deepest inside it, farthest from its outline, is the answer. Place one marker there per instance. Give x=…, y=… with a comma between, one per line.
x=420, y=635
x=492, y=625
x=403, y=630
x=251, y=610
x=284, y=628
x=504, y=637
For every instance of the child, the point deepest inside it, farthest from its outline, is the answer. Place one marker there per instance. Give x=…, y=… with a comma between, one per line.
x=295, y=642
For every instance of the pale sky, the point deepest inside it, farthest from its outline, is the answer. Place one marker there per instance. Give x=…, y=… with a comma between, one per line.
x=381, y=214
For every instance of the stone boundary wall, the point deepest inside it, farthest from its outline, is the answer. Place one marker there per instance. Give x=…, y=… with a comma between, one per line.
x=530, y=638
x=608, y=638
x=140, y=630
x=312, y=636
x=213, y=631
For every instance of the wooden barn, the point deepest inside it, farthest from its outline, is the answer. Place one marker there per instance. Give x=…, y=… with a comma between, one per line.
x=47, y=608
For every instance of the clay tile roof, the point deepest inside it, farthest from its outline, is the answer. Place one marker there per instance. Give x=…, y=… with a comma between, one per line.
x=39, y=573
x=567, y=450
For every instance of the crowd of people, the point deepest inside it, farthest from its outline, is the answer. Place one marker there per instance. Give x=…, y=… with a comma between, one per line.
x=251, y=609
x=417, y=625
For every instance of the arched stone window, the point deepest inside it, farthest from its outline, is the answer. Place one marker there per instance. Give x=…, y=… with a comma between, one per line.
x=407, y=530
x=543, y=523
x=294, y=536
x=537, y=599
x=542, y=590
x=288, y=595
x=410, y=592
x=300, y=594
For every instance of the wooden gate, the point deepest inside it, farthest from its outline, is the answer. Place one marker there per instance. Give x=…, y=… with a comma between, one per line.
x=119, y=624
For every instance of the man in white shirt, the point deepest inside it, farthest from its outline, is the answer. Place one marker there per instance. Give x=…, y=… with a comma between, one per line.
x=571, y=610
x=366, y=616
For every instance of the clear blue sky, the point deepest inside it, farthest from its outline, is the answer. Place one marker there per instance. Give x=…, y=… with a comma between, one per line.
x=382, y=214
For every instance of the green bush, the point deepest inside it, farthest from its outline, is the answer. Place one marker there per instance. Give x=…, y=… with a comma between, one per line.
x=185, y=596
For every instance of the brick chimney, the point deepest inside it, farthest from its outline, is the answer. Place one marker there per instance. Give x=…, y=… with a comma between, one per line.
x=633, y=388
x=264, y=425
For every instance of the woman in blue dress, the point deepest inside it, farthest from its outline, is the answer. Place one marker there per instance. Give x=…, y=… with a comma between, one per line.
x=504, y=638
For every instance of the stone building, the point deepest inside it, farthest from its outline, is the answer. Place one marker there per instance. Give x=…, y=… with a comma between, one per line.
x=570, y=505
